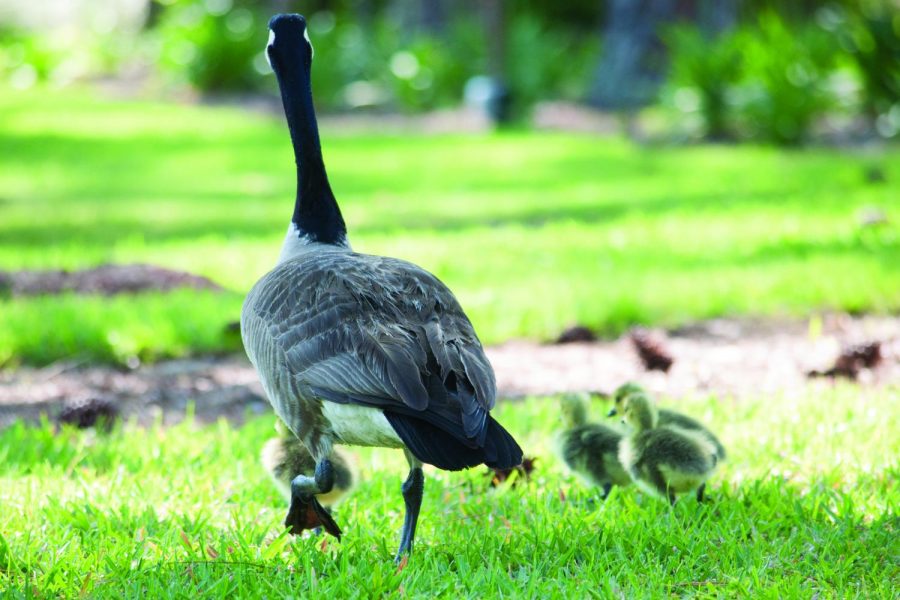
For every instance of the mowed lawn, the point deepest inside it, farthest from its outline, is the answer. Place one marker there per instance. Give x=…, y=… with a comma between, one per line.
x=533, y=231
x=805, y=506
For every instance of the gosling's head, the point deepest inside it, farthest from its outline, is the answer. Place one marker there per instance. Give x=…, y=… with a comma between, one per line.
x=574, y=409
x=639, y=411
x=622, y=392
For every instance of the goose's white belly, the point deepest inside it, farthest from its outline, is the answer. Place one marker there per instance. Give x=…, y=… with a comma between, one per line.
x=360, y=425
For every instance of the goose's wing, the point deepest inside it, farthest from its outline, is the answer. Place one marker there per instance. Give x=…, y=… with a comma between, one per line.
x=380, y=332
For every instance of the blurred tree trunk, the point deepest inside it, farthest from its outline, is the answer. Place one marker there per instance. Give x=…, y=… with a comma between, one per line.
x=154, y=12
x=420, y=15
x=495, y=37
x=630, y=66
x=716, y=16
x=633, y=60
x=433, y=15
x=499, y=107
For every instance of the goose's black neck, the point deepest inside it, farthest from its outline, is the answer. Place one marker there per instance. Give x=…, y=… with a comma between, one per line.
x=316, y=212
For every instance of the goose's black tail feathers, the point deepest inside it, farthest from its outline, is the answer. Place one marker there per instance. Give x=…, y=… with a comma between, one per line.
x=434, y=446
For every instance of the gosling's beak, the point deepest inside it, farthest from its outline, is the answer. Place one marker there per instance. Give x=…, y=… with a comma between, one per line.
x=611, y=413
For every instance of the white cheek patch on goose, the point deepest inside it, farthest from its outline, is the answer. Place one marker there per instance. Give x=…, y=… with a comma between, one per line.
x=312, y=51
x=269, y=47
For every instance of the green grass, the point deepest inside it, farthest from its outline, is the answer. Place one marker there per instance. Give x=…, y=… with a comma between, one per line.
x=805, y=506
x=533, y=231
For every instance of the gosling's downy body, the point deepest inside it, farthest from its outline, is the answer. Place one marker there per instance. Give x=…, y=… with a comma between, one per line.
x=664, y=460
x=590, y=450
x=285, y=458
x=668, y=417
x=359, y=349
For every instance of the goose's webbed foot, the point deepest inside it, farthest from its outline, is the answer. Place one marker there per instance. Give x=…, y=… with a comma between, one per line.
x=306, y=512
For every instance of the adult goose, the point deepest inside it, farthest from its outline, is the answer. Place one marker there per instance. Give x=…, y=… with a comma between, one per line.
x=360, y=349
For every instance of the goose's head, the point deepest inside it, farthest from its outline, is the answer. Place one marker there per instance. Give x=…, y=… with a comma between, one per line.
x=639, y=411
x=288, y=40
x=574, y=409
x=621, y=393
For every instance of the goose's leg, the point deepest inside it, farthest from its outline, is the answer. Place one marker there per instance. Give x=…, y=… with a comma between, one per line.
x=412, y=496
x=306, y=512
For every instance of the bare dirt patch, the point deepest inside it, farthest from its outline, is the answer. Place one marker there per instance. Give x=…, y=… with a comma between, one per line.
x=735, y=358
x=105, y=279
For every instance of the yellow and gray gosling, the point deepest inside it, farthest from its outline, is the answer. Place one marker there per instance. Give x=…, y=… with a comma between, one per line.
x=664, y=460
x=590, y=449
x=285, y=457
x=668, y=418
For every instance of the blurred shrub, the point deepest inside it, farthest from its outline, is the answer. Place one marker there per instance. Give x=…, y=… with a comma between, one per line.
x=26, y=58
x=216, y=45
x=543, y=62
x=704, y=69
x=784, y=84
x=430, y=71
x=771, y=80
x=380, y=65
x=101, y=42
x=766, y=80
x=869, y=32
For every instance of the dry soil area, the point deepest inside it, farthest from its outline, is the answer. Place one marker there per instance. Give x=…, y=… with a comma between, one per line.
x=729, y=358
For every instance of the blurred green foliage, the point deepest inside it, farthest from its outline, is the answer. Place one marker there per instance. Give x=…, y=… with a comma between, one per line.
x=25, y=59
x=709, y=66
x=869, y=30
x=378, y=64
x=216, y=45
x=771, y=78
x=784, y=79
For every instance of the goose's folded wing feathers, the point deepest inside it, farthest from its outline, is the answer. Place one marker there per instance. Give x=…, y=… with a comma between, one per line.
x=380, y=332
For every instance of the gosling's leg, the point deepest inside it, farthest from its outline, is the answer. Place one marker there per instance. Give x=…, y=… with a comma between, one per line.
x=700, y=491
x=412, y=496
x=607, y=488
x=659, y=482
x=306, y=512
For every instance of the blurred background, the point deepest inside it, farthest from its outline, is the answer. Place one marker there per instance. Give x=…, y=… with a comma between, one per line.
x=601, y=164
x=782, y=72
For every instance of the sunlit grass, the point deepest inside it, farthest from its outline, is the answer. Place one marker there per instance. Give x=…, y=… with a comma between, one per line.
x=806, y=504
x=531, y=230
x=177, y=323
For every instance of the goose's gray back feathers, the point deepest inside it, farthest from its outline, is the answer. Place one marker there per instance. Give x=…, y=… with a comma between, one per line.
x=337, y=326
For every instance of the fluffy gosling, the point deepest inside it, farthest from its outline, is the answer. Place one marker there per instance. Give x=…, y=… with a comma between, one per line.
x=663, y=460
x=285, y=457
x=668, y=417
x=590, y=450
